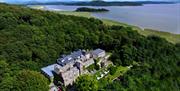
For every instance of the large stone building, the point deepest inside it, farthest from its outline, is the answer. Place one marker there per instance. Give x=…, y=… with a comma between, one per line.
x=69, y=67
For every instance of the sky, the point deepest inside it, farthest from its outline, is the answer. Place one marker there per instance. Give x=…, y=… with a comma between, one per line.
x=9, y=1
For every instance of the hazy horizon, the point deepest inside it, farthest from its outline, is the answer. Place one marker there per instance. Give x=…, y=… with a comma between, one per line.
x=18, y=1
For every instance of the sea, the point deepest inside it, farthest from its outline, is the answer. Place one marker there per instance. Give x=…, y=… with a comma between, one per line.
x=160, y=17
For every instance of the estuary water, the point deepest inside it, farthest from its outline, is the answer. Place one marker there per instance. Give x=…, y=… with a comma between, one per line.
x=161, y=17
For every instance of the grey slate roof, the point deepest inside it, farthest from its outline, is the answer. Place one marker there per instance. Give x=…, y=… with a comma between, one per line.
x=76, y=54
x=48, y=70
x=97, y=51
x=69, y=58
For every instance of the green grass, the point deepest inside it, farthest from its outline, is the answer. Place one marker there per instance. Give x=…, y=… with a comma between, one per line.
x=173, y=38
x=98, y=73
x=37, y=7
x=111, y=22
x=81, y=14
x=108, y=53
x=120, y=71
x=91, y=67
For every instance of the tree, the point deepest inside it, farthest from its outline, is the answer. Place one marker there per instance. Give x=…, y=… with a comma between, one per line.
x=28, y=80
x=31, y=39
x=4, y=69
x=86, y=83
x=6, y=81
x=112, y=70
x=7, y=84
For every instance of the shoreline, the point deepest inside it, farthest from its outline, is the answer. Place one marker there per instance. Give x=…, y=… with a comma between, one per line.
x=171, y=37
x=93, y=14
x=139, y=27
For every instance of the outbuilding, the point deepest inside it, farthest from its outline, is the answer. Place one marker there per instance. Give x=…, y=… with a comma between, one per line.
x=48, y=71
x=98, y=53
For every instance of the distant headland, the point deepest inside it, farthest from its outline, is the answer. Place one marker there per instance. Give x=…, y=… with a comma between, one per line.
x=86, y=9
x=101, y=3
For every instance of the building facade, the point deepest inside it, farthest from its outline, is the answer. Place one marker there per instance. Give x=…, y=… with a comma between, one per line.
x=70, y=67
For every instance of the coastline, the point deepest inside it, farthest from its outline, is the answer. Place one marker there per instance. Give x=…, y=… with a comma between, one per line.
x=171, y=37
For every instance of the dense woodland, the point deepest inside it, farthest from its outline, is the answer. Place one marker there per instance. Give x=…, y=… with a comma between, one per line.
x=31, y=39
x=86, y=9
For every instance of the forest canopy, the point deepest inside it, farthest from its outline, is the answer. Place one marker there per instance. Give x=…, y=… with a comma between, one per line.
x=31, y=39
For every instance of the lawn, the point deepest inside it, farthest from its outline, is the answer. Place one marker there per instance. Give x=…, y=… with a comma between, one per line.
x=120, y=71
x=173, y=38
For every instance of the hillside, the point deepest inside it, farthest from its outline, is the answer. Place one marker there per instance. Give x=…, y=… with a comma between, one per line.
x=173, y=38
x=31, y=39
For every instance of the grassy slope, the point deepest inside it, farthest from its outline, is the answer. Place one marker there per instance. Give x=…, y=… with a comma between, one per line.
x=119, y=72
x=82, y=14
x=37, y=7
x=173, y=38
